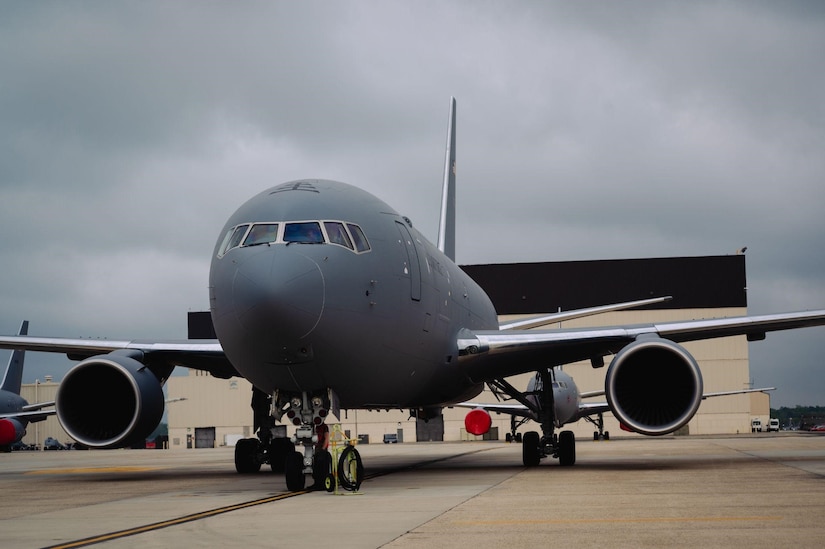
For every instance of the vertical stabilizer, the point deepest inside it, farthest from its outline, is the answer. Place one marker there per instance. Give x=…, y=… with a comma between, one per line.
x=13, y=378
x=446, y=225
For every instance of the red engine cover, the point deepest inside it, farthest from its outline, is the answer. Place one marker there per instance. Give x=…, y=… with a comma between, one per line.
x=478, y=421
x=8, y=433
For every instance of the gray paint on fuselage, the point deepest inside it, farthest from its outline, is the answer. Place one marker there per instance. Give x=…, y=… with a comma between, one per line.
x=310, y=316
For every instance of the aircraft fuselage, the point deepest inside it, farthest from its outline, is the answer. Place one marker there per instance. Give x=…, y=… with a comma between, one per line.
x=302, y=313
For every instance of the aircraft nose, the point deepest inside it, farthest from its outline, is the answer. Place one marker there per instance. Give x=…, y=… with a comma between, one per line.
x=278, y=294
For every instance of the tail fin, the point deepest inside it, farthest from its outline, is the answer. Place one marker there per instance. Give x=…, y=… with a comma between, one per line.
x=13, y=378
x=446, y=225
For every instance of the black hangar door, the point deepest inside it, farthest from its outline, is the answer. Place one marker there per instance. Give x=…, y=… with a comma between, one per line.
x=204, y=437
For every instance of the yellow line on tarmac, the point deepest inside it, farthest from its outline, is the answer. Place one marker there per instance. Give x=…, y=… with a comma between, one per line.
x=87, y=470
x=613, y=520
x=171, y=522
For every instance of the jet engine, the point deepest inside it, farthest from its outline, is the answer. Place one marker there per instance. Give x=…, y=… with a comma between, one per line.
x=11, y=430
x=653, y=386
x=109, y=401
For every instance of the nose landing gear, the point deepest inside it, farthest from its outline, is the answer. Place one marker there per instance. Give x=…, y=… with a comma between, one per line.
x=308, y=413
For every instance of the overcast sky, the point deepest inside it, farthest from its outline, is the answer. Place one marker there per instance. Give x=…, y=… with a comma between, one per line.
x=130, y=131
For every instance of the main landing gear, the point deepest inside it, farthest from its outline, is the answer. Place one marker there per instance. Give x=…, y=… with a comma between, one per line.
x=308, y=414
x=561, y=446
x=539, y=399
x=601, y=434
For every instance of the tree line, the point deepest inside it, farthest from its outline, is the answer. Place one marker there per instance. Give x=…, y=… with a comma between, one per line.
x=799, y=417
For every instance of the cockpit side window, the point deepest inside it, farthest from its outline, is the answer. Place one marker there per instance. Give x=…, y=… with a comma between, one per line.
x=338, y=234
x=307, y=232
x=361, y=243
x=262, y=233
x=233, y=238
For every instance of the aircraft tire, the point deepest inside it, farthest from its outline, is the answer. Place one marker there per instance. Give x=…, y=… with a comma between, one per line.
x=350, y=469
x=567, y=448
x=321, y=468
x=607, y=435
x=279, y=449
x=595, y=435
x=246, y=461
x=530, y=451
x=294, y=472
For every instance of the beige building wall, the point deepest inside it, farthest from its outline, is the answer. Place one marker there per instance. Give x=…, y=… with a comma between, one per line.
x=36, y=433
x=225, y=404
x=201, y=402
x=760, y=404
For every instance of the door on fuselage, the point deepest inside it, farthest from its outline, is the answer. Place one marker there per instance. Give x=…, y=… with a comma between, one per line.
x=412, y=266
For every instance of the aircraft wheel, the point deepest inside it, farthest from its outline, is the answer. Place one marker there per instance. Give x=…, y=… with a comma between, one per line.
x=530, y=451
x=518, y=438
x=246, y=459
x=279, y=449
x=567, y=448
x=294, y=472
x=350, y=469
x=607, y=435
x=321, y=468
x=595, y=435
x=508, y=437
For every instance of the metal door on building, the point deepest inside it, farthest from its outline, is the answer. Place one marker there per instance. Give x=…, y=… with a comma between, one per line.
x=204, y=437
x=431, y=430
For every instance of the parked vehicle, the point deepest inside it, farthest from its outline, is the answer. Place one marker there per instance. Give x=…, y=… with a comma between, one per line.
x=53, y=444
x=756, y=425
x=391, y=439
x=773, y=425
x=22, y=446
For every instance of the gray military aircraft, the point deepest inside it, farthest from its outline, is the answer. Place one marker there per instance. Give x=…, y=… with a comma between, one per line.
x=568, y=405
x=15, y=412
x=324, y=297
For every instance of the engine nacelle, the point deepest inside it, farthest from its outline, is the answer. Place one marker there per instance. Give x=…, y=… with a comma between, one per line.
x=653, y=386
x=478, y=421
x=109, y=401
x=11, y=430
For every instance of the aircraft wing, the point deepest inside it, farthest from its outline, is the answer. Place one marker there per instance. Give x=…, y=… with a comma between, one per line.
x=585, y=408
x=563, y=316
x=520, y=410
x=201, y=354
x=494, y=354
x=31, y=416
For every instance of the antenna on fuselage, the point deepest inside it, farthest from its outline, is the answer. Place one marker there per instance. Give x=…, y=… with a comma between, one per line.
x=446, y=224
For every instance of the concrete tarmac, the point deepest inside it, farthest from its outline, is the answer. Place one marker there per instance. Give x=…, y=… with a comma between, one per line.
x=736, y=491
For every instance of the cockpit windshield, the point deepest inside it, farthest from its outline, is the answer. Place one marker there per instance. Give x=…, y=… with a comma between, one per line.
x=339, y=233
x=261, y=233
x=308, y=232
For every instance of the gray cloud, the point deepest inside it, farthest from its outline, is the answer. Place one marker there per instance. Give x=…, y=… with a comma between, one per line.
x=130, y=133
